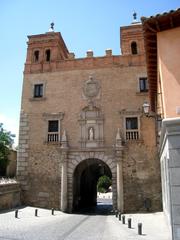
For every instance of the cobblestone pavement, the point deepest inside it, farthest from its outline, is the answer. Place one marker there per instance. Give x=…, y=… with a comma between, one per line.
x=63, y=226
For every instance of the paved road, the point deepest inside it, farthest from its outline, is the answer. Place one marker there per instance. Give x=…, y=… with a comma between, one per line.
x=93, y=226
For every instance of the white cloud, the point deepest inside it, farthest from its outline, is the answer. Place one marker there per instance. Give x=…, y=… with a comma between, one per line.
x=12, y=125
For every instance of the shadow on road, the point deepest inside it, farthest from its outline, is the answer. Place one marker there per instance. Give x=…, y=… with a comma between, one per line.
x=102, y=208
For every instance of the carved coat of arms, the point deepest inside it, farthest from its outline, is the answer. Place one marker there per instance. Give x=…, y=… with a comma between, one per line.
x=91, y=88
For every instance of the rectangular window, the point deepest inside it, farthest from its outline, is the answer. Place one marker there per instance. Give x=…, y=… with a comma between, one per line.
x=53, y=126
x=53, y=131
x=132, y=123
x=143, y=84
x=38, y=90
x=132, y=131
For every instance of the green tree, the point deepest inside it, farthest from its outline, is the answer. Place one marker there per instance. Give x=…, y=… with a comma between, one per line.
x=103, y=184
x=6, y=141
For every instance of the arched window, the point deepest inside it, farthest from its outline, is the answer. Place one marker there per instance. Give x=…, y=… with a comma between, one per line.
x=48, y=55
x=134, y=48
x=36, y=56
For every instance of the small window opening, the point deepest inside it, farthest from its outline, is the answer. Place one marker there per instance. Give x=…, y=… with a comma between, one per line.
x=53, y=131
x=134, y=48
x=48, y=55
x=132, y=132
x=36, y=56
x=53, y=126
x=143, y=84
x=38, y=90
x=131, y=123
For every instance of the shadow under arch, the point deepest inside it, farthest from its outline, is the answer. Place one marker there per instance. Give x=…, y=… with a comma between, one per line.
x=85, y=177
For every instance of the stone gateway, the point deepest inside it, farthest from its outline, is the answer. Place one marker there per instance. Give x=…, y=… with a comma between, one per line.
x=82, y=118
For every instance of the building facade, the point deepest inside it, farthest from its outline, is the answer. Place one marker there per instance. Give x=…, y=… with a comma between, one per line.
x=82, y=118
x=162, y=36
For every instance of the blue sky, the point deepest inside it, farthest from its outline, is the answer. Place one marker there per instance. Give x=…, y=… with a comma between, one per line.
x=84, y=24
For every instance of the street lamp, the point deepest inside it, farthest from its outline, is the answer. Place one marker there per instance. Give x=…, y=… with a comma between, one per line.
x=146, y=108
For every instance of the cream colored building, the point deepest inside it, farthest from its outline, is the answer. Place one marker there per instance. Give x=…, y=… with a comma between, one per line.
x=162, y=37
x=82, y=118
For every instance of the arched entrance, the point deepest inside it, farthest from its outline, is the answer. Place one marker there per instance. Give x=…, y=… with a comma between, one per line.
x=85, y=178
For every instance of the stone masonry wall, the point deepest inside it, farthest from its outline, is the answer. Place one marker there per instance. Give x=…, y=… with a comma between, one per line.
x=9, y=196
x=141, y=179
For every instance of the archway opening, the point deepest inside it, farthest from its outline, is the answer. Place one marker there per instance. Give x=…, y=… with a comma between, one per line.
x=85, y=196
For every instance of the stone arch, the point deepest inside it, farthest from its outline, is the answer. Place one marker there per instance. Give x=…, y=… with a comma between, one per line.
x=77, y=158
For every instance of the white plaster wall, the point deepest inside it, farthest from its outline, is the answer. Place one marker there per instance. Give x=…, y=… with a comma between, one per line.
x=170, y=170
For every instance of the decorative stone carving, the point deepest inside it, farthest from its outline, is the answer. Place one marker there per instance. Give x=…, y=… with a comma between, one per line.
x=91, y=127
x=64, y=142
x=91, y=88
x=118, y=139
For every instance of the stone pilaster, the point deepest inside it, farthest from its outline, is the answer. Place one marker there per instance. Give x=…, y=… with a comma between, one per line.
x=64, y=190
x=22, y=154
x=119, y=180
x=118, y=157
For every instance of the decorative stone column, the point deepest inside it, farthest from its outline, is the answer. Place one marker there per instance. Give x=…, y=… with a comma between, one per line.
x=118, y=156
x=64, y=157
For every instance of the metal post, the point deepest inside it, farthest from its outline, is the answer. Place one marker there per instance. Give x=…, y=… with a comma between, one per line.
x=119, y=216
x=52, y=211
x=129, y=222
x=116, y=213
x=123, y=219
x=36, y=212
x=16, y=214
x=140, y=228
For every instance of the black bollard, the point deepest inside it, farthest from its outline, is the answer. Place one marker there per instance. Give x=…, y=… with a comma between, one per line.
x=123, y=219
x=140, y=228
x=16, y=214
x=36, y=212
x=116, y=213
x=119, y=216
x=52, y=211
x=129, y=222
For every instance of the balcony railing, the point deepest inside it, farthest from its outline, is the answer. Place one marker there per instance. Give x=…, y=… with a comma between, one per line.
x=53, y=137
x=132, y=134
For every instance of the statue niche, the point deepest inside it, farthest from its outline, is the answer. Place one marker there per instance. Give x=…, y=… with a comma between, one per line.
x=91, y=127
x=91, y=134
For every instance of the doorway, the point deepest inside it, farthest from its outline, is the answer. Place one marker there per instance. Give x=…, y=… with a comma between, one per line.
x=85, y=180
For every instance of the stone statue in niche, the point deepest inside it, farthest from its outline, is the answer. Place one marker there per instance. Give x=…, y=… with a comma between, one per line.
x=91, y=134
